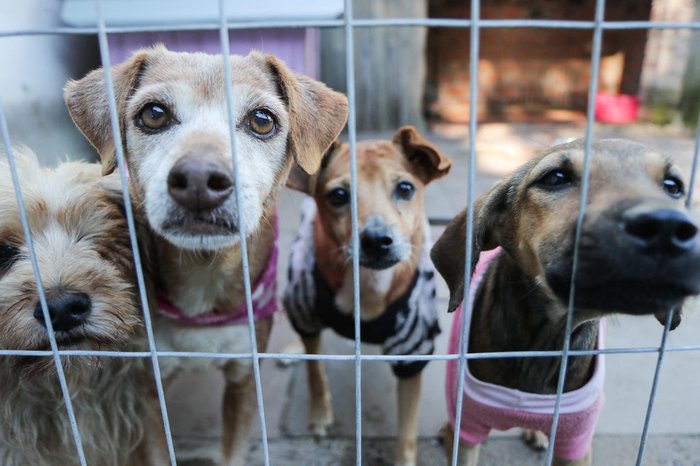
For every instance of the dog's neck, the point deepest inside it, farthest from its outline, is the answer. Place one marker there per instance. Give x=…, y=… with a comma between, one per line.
x=512, y=312
x=379, y=288
x=198, y=282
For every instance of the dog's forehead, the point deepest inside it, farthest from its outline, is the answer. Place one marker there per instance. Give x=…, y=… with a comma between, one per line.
x=204, y=74
x=48, y=192
x=375, y=161
x=608, y=158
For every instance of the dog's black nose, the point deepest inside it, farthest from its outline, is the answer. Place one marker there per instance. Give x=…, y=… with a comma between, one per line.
x=199, y=185
x=376, y=242
x=67, y=311
x=662, y=231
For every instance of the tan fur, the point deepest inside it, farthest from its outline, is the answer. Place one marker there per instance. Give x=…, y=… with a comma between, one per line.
x=381, y=165
x=199, y=270
x=521, y=303
x=82, y=246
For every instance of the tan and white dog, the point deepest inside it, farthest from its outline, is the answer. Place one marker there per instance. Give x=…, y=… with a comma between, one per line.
x=82, y=247
x=174, y=127
x=397, y=288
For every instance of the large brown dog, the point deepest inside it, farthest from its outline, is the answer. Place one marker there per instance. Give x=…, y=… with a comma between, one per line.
x=397, y=289
x=639, y=255
x=82, y=247
x=174, y=126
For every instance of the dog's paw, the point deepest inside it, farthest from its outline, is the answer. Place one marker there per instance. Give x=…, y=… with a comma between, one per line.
x=293, y=347
x=405, y=462
x=321, y=420
x=535, y=439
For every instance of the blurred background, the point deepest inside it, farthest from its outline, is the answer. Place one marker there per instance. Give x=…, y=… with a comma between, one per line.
x=532, y=93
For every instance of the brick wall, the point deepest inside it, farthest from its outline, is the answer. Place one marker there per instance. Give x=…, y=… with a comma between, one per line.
x=529, y=73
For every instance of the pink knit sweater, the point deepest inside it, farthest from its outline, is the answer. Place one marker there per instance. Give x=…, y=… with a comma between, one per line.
x=486, y=406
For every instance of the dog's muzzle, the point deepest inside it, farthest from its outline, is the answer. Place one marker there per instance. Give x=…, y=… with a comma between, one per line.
x=661, y=232
x=67, y=311
x=199, y=185
x=377, y=246
x=640, y=259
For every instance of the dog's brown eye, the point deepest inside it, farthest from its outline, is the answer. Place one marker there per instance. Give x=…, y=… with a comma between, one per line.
x=154, y=117
x=338, y=197
x=262, y=123
x=673, y=186
x=554, y=179
x=404, y=191
x=8, y=254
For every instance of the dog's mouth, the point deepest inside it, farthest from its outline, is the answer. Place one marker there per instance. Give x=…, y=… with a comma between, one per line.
x=199, y=225
x=628, y=295
x=71, y=342
x=378, y=263
x=633, y=297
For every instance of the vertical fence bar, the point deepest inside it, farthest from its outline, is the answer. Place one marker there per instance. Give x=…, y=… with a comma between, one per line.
x=40, y=290
x=654, y=387
x=592, y=91
x=355, y=241
x=669, y=318
x=226, y=63
x=468, y=253
x=121, y=166
x=225, y=52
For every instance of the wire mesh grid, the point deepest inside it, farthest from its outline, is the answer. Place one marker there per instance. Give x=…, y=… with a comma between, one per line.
x=349, y=24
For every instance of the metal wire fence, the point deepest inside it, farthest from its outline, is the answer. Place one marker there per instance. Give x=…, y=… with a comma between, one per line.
x=349, y=23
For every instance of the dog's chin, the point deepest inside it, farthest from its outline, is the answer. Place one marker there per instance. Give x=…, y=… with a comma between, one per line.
x=627, y=297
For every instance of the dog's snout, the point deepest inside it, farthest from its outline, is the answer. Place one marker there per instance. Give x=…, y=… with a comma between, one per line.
x=662, y=231
x=376, y=242
x=199, y=185
x=67, y=311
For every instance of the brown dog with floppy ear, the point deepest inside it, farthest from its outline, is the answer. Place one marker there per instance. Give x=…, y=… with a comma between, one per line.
x=639, y=254
x=174, y=128
x=397, y=291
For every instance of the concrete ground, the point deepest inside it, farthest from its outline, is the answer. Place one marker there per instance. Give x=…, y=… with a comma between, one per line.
x=675, y=428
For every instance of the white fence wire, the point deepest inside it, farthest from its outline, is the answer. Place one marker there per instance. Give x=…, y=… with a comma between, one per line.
x=349, y=23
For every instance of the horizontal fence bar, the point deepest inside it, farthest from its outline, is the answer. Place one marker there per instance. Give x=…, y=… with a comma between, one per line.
x=360, y=23
x=350, y=357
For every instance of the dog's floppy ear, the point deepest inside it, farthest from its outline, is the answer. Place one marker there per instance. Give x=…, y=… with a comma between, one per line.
x=448, y=253
x=425, y=156
x=112, y=186
x=299, y=180
x=317, y=114
x=87, y=104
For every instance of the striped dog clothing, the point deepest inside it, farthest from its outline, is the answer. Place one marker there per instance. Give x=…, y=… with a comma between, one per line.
x=408, y=326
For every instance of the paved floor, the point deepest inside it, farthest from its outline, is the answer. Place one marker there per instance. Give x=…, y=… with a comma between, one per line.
x=675, y=428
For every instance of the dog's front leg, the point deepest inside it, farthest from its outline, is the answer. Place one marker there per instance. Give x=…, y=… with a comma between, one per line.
x=585, y=460
x=409, y=400
x=467, y=455
x=239, y=403
x=320, y=407
x=237, y=415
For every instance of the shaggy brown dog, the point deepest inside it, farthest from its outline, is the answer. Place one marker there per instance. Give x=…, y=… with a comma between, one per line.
x=639, y=254
x=174, y=124
x=84, y=255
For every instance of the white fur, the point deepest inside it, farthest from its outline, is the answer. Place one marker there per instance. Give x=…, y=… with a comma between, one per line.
x=372, y=283
x=258, y=160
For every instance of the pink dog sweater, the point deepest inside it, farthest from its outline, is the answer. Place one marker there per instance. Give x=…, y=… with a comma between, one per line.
x=487, y=406
x=264, y=299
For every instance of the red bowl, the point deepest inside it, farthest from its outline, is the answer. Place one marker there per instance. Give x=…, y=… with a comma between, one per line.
x=610, y=108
